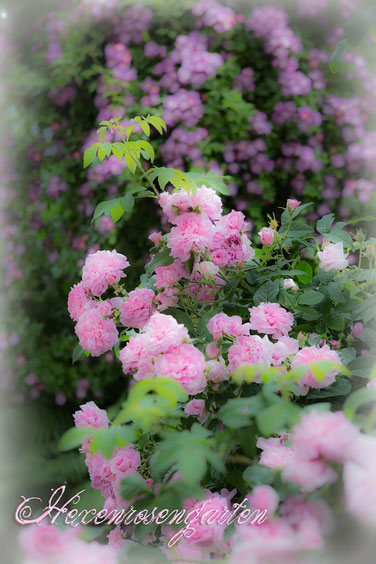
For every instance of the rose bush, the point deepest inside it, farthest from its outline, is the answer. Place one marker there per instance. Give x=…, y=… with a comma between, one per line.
x=246, y=91
x=243, y=391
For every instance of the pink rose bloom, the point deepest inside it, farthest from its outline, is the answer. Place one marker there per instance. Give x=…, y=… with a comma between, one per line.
x=310, y=355
x=156, y=237
x=124, y=459
x=289, y=284
x=209, y=536
x=137, y=308
x=102, y=269
x=89, y=415
x=168, y=298
x=285, y=347
x=42, y=543
x=131, y=355
x=167, y=276
x=273, y=541
x=233, y=222
x=250, y=350
x=372, y=384
x=192, y=232
x=327, y=434
x=79, y=301
x=310, y=475
x=96, y=334
x=275, y=454
x=332, y=256
x=357, y=330
x=218, y=371
x=221, y=324
x=185, y=364
x=292, y=204
x=271, y=319
x=207, y=268
x=212, y=350
x=196, y=407
x=267, y=236
x=164, y=333
x=311, y=520
x=264, y=497
x=176, y=204
x=115, y=538
x=208, y=201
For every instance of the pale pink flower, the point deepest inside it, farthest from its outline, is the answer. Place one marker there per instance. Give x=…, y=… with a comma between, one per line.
x=311, y=520
x=168, y=298
x=264, y=497
x=102, y=269
x=167, y=276
x=309, y=355
x=185, y=364
x=192, y=232
x=292, y=204
x=267, y=236
x=207, y=201
x=131, y=355
x=271, y=319
x=116, y=539
x=89, y=415
x=209, y=535
x=275, y=454
x=164, y=333
x=45, y=543
x=332, y=256
x=176, y=204
x=137, y=308
x=285, y=347
x=250, y=350
x=124, y=459
x=207, y=268
x=96, y=334
x=79, y=301
x=289, y=284
x=310, y=475
x=357, y=330
x=372, y=384
x=326, y=434
x=212, y=350
x=156, y=237
x=218, y=371
x=233, y=222
x=221, y=324
x=196, y=407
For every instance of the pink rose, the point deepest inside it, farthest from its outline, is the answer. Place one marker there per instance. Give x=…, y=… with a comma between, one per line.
x=292, y=204
x=271, y=319
x=102, y=269
x=89, y=415
x=332, y=256
x=137, y=308
x=267, y=236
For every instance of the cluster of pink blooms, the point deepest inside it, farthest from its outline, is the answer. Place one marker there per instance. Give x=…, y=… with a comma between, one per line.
x=119, y=58
x=214, y=15
x=136, y=20
x=56, y=186
x=182, y=143
x=184, y=106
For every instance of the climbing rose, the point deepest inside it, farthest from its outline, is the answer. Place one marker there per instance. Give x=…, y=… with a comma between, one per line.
x=79, y=301
x=96, y=334
x=309, y=355
x=137, y=308
x=271, y=319
x=266, y=236
x=186, y=365
x=89, y=415
x=102, y=269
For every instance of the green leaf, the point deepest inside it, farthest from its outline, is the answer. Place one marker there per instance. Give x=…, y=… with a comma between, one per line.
x=305, y=267
x=237, y=412
x=338, y=235
x=89, y=155
x=127, y=203
x=74, y=437
x=116, y=212
x=311, y=297
x=163, y=258
x=158, y=123
x=335, y=322
x=133, y=485
x=342, y=387
x=145, y=128
x=78, y=352
x=104, y=208
x=324, y=224
x=336, y=58
x=164, y=176
x=266, y=293
x=147, y=148
x=257, y=475
x=275, y=417
x=358, y=399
